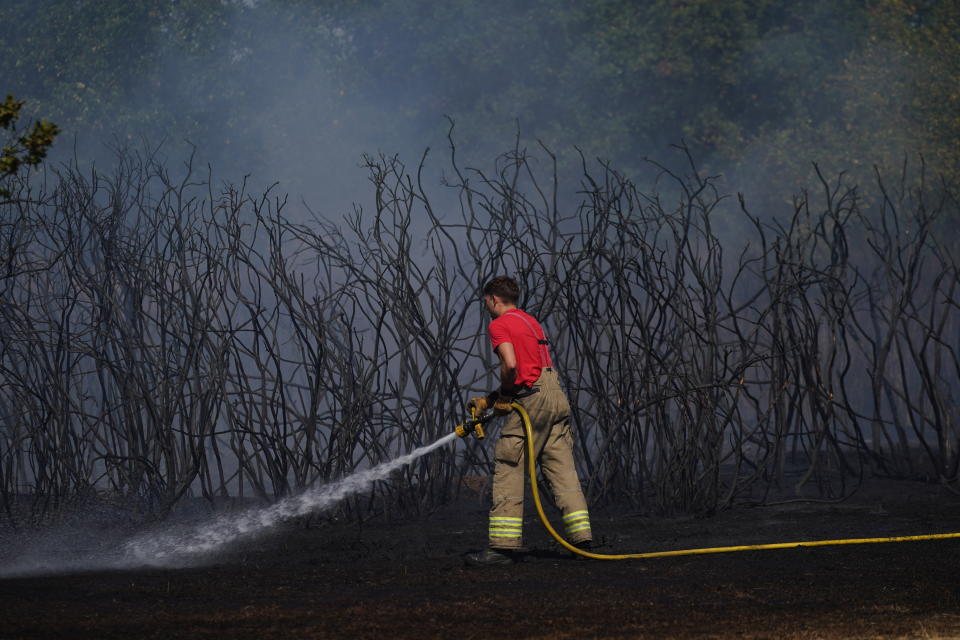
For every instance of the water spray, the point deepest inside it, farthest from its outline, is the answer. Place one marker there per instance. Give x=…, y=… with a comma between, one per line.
x=179, y=545
x=184, y=545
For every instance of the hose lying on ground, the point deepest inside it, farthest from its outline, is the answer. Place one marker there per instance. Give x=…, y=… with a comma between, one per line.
x=532, y=470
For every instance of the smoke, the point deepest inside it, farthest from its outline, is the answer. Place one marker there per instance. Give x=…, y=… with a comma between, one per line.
x=294, y=95
x=297, y=94
x=85, y=547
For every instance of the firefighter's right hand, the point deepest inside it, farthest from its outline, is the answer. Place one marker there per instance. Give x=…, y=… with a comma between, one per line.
x=503, y=405
x=481, y=404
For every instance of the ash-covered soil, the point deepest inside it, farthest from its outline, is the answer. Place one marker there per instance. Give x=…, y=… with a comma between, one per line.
x=407, y=580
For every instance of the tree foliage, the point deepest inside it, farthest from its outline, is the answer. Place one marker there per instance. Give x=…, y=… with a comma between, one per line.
x=758, y=86
x=893, y=95
x=27, y=149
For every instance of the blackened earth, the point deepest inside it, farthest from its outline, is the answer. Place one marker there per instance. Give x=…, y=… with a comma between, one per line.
x=408, y=580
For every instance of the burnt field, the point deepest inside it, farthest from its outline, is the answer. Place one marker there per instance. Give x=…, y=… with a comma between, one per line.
x=406, y=579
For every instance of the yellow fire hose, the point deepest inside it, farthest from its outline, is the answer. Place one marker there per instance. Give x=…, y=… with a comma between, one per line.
x=532, y=470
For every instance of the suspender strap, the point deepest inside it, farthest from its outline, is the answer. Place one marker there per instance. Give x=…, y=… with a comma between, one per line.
x=541, y=341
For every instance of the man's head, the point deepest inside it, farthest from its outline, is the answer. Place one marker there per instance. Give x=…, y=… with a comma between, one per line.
x=500, y=294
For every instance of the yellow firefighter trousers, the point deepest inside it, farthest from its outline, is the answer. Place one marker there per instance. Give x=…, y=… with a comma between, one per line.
x=553, y=443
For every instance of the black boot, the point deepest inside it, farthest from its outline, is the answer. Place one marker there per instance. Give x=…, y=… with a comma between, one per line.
x=491, y=557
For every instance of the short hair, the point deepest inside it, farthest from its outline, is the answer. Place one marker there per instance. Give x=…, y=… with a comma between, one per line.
x=504, y=287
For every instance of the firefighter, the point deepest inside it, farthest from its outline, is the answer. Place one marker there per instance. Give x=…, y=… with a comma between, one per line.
x=527, y=376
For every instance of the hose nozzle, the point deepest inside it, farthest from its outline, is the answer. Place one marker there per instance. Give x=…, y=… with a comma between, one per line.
x=474, y=425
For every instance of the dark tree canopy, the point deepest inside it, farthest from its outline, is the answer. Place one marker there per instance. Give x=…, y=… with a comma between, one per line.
x=749, y=84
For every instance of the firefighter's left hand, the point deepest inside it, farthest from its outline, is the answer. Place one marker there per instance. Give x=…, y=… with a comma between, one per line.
x=481, y=404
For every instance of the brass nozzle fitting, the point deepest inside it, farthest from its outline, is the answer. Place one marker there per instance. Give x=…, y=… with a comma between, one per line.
x=473, y=425
x=476, y=428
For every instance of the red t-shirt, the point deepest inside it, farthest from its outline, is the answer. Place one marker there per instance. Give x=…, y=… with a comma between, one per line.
x=524, y=332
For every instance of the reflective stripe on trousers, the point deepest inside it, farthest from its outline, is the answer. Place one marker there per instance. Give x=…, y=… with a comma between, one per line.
x=577, y=523
x=506, y=527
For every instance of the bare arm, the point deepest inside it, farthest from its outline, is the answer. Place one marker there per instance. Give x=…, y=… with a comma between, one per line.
x=508, y=365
